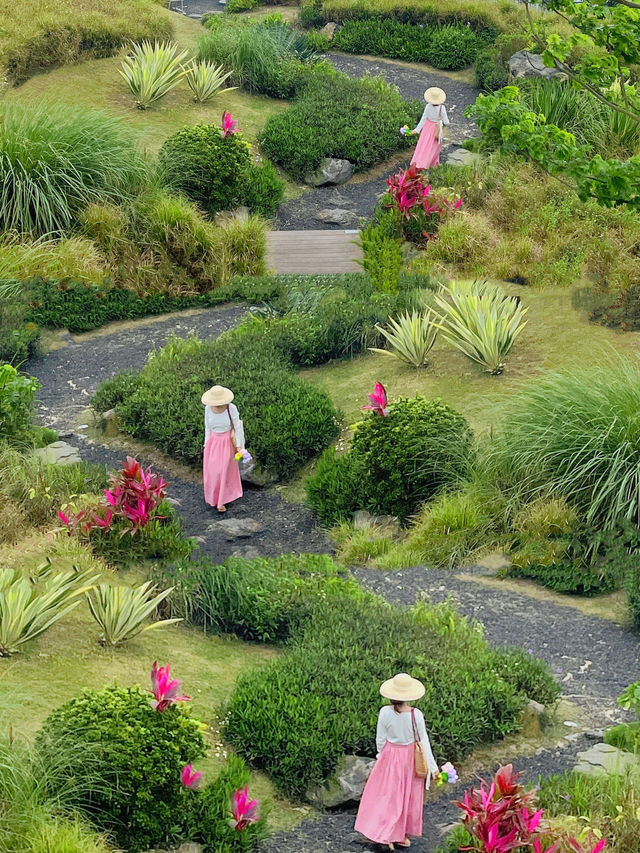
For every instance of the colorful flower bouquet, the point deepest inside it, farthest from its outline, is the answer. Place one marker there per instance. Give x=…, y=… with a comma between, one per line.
x=448, y=774
x=404, y=129
x=243, y=456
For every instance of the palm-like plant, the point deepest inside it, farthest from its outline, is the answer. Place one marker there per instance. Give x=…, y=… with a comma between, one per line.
x=205, y=80
x=152, y=70
x=30, y=606
x=121, y=610
x=481, y=322
x=410, y=337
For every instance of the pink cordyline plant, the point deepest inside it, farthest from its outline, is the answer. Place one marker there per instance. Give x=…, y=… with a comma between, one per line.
x=229, y=125
x=410, y=193
x=378, y=401
x=243, y=810
x=502, y=817
x=164, y=688
x=190, y=778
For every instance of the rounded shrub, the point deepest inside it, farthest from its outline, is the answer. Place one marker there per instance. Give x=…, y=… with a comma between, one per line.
x=333, y=492
x=55, y=159
x=452, y=48
x=263, y=189
x=207, y=167
x=403, y=459
x=128, y=759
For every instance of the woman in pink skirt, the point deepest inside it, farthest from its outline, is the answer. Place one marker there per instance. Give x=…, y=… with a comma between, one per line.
x=223, y=437
x=392, y=803
x=434, y=118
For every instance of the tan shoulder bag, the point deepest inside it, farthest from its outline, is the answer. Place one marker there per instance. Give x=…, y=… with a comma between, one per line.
x=420, y=761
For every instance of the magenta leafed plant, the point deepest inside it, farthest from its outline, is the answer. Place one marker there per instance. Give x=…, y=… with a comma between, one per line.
x=243, y=810
x=502, y=817
x=164, y=688
x=378, y=401
x=190, y=778
x=133, y=497
x=229, y=125
x=410, y=193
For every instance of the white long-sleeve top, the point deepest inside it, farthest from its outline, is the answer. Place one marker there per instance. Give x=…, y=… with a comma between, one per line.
x=222, y=421
x=398, y=728
x=433, y=113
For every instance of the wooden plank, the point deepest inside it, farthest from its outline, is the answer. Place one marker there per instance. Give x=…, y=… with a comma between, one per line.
x=313, y=252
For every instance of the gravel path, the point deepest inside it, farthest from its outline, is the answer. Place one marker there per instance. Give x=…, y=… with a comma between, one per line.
x=360, y=197
x=68, y=377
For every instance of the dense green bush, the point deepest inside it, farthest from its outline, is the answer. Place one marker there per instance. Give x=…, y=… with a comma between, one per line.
x=55, y=159
x=17, y=395
x=450, y=47
x=18, y=339
x=398, y=461
x=633, y=593
x=131, y=786
x=286, y=419
x=585, y=447
x=491, y=73
x=626, y=736
x=297, y=716
x=263, y=599
x=529, y=676
x=216, y=172
x=333, y=116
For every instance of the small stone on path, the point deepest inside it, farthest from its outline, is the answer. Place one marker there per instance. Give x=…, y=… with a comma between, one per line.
x=605, y=760
x=236, y=528
x=345, y=786
x=331, y=172
x=462, y=157
x=329, y=30
x=248, y=553
x=336, y=216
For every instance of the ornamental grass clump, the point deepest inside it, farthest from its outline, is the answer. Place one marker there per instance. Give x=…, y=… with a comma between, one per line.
x=481, y=322
x=121, y=611
x=576, y=433
x=55, y=159
x=409, y=338
x=153, y=70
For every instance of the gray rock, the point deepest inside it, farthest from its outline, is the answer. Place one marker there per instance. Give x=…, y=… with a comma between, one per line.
x=236, y=528
x=59, y=453
x=258, y=477
x=533, y=720
x=346, y=786
x=240, y=213
x=329, y=30
x=190, y=847
x=331, y=172
x=525, y=64
x=461, y=157
x=248, y=553
x=605, y=760
x=337, y=216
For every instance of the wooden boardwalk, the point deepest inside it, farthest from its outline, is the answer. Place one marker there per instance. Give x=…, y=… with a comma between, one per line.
x=313, y=252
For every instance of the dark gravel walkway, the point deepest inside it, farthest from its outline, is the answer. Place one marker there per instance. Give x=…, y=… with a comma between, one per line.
x=68, y=377
x=360, y=197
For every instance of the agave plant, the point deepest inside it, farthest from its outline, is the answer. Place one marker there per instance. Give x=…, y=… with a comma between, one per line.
x=205, y=80
x=410, y=337
x=121, y=610
x=480, y=321
x=152, y=70
x=29, y=606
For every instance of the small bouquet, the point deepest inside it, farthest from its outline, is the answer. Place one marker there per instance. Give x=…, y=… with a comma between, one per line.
x=404, y=129
x=448, y=774
x=243, y=456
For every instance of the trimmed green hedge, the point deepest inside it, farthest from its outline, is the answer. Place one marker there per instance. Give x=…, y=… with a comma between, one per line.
x=450, y=47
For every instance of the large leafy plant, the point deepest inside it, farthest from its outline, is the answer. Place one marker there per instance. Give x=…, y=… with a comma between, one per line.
x=481, y=322
x=205, y=79
x=17, y=395
x=29, y=606
x=121, y=611
x=153, y=70
x=410, y=337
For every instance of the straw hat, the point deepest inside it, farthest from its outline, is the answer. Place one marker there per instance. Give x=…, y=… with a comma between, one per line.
x=435, y=96
x=217, y=396
x=402, y=688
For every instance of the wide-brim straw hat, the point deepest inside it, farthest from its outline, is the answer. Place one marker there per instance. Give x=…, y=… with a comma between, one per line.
x=217, y=396
x=402, y=688
x=435, y=95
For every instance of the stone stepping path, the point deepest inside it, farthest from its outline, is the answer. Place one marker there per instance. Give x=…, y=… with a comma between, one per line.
x=321, y=252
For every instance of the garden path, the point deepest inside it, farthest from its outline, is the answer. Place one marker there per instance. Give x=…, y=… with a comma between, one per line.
x=593, y=658
x=360, y=195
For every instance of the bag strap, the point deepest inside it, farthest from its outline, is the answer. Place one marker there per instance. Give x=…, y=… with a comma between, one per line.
x=415, y=726
x=229, y=416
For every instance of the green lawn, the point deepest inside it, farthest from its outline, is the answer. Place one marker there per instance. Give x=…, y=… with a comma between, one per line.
x=556, y=336
x=68, y=657
x=97, y=84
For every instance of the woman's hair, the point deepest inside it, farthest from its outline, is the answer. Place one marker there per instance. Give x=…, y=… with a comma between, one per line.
x=396, y=704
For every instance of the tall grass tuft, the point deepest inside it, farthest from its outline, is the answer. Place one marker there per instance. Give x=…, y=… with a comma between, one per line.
x=153, y=70
x=55, y=159
x=577, y=433
x=205, y=79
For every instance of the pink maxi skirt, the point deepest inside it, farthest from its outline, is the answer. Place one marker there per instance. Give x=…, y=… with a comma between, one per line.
x=220, y=471
x=393, y=798
x=427, y=153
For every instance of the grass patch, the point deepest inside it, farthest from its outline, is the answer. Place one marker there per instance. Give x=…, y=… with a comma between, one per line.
x=98, y=83
x=68, y=657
